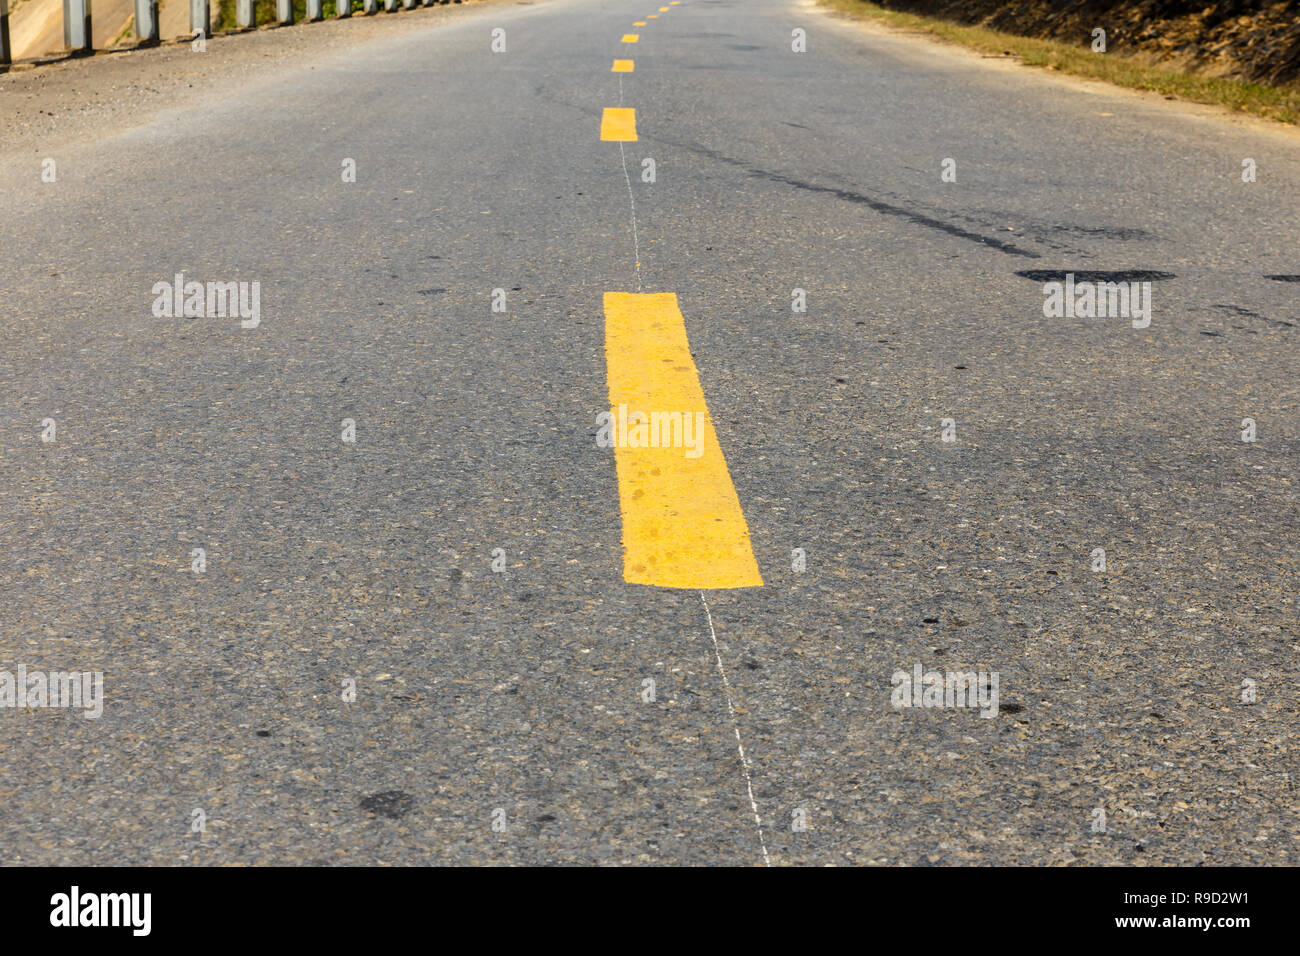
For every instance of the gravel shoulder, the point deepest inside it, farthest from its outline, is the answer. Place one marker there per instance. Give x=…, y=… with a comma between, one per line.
x=75, y=100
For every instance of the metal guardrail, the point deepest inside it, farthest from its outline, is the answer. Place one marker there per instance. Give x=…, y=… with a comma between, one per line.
x=4, y=31
x=77, y=35
x=146, y=21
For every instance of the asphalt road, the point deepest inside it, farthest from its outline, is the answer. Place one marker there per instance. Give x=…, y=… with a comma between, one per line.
x=501, y=717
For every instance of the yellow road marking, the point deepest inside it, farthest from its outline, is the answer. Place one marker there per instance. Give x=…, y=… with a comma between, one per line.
x=682, y=522
x=639, y=23
x=630, y=38
x=618, y=124
x=622, y=66
x=653, y=16
x=663, y=9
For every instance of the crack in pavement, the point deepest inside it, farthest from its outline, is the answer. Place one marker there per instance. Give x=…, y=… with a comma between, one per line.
x=848, y=195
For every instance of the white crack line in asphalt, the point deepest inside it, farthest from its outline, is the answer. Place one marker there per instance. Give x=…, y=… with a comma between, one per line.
x=717, y=653
x=740, y=747
x=636, y=246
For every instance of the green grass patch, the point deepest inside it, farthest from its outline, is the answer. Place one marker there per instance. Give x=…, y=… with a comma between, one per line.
x=1271, y=102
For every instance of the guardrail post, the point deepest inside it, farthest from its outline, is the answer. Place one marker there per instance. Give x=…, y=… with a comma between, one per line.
x=370, y=7
x=344, y=8
x=390, y=6
x=5, y=54
x=200, y=19
x=284, y=12
x=315, y=10
x=146, y=21
x=411, y=4
x=76, y=26
x=245, y=14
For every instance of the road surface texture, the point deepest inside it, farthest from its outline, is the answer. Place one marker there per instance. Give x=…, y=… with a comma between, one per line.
x=1146, y=713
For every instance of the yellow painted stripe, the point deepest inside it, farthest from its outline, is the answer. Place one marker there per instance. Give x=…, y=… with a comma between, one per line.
x=639, y=23
x=682, y=522
x=663, y=9
x=618, y=124
x=653, y=16
x=630, y=38
x=622, y=66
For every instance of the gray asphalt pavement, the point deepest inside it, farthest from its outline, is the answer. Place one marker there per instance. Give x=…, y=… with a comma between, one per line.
x=503, y=717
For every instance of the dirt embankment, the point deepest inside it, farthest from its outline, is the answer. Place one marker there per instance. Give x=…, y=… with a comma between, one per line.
x=1243, y=39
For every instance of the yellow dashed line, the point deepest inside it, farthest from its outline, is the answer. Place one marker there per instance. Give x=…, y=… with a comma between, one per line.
x=618, y=125
x=630, y=37
x=682, y=522
x=622, y=66
x=663, y=9
x=639, y=23
x=653, y=16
